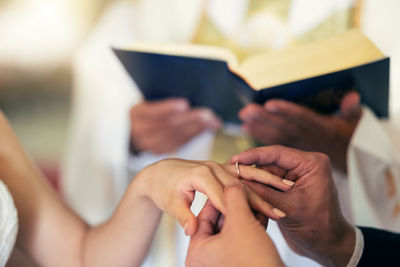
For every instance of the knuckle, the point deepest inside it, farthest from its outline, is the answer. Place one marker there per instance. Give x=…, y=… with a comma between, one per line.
x=279, y=147
x=190, y=131
x=291, y=209
x=132, y=115
x=211, y=164
x=204, y=116
x=202, y=170
x=134, y=110
x=266, y=196
x=321, y=157
x=136, y=129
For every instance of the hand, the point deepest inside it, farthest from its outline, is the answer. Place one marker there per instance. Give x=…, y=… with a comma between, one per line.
x=289, y=124
x=171, y=184
x=242, y=240
x=163, y=126
x=314, y=226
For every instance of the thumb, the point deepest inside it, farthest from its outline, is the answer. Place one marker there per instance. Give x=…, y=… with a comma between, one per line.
x=350, y=106
x=208, y=219
x=236, y=203
x=182, y=213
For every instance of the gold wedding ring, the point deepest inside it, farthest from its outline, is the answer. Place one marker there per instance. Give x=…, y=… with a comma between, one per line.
x=237, y=169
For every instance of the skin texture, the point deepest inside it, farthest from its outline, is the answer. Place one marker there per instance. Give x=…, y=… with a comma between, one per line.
x=47, y=224
x=163, y=126
x=242, y=240
x=285, y=123
x=204, y=176
x=314, y=226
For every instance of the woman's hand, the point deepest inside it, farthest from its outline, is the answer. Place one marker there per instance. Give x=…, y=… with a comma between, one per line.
x=171, y=184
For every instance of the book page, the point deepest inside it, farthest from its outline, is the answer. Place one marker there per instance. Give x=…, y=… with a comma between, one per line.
x=186, y=50
x=328, y=55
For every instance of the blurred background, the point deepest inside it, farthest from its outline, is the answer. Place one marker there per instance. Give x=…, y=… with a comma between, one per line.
x=38, y=40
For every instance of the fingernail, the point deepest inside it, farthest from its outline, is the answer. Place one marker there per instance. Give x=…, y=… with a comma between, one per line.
x=288, y=182
x=181, y=105
x=186, y=228
x=206, y=115
x=271, y=107
x=252, y=116
x=279, y=212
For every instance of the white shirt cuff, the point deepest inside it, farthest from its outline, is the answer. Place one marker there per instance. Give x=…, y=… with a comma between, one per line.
x=358, y=250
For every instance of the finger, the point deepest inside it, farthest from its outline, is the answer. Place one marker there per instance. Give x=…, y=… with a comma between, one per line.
x=220, y=223
x=159, y=110
x=153, y=141
x=180, y=210
x=284, y=157
x=203, y=116
x=157, y=142
x=236, y=202
x=182, y=128
x=280, y=172
x=262, y=176
x=207, y=219
x=176, y=121
x=250, y=112
x=185, y=126
x=269, y=134
x=350, y=108
x=279, y=200
x=143, y=127
x=261, y=123
x=262, y=219
x=222, y=172
x=205, y=182
x=294, y=113
x=251, y=173
x=256, y=202
x=169, y=135
x=259, y=204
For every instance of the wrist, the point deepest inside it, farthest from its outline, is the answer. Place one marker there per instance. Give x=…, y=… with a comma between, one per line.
x=139, y=188
x=339, y=249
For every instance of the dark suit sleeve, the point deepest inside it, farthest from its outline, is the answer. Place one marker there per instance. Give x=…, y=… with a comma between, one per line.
x=381, y=248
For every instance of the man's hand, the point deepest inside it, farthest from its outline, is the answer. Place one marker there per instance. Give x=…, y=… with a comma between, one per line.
x=163, y=126
x=242, y=240
x=314, y=226
x=284, y=123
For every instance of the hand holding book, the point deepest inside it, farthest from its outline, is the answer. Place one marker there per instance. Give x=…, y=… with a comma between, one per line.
x=289, y=124
x=316, y=75
x=163, y=126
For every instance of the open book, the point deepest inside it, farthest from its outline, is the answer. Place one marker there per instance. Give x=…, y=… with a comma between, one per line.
x=316, y=74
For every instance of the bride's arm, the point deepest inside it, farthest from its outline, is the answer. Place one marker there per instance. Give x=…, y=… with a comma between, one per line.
x=53, y=235
x=47, y=228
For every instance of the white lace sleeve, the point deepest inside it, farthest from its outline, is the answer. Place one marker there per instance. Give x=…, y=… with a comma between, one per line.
x=8, y=224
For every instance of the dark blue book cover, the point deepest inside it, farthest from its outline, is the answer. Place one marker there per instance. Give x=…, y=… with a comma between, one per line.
x=210, y=83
